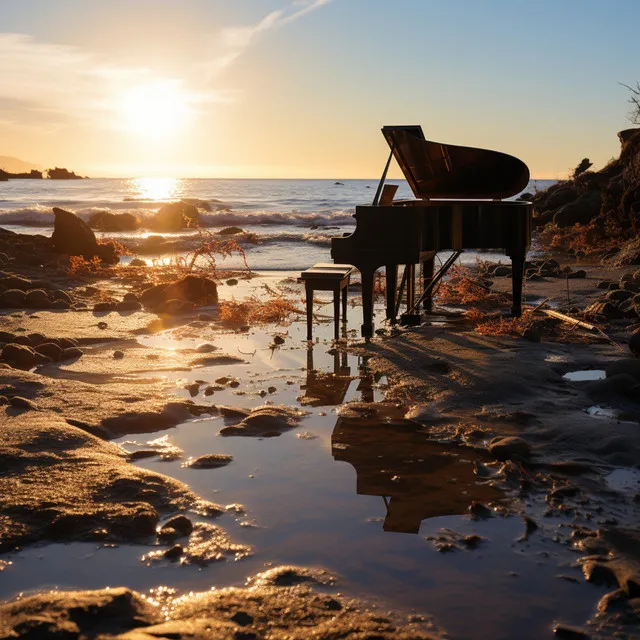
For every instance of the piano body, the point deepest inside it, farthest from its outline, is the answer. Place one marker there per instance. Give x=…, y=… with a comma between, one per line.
x=460, y=204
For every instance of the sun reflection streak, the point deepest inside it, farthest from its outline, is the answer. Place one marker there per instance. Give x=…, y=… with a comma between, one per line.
x=153, y=188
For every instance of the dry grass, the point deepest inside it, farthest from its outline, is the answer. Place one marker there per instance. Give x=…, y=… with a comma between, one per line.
x=463, y=288
x=588, y=239
x=500, y=326
x=79, y=266
x=276, y=309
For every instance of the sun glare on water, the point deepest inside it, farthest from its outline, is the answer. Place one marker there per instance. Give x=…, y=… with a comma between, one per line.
x=155, y=110
x=155, y=188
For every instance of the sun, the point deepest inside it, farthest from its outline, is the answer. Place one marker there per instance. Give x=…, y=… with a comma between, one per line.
x=156, y=110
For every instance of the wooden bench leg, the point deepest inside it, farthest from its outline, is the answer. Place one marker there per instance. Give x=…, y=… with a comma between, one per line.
x=309, y=311
x=336, y=313
x=344, y=303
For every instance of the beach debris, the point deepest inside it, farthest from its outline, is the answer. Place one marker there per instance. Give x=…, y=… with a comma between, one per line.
x=208, y=461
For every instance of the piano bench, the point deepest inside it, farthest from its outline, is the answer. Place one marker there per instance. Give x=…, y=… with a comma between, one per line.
x=327, y=277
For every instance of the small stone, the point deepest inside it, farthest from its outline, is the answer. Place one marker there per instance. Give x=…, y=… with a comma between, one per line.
x=205, y=348
x=209, y=461
x=278, y=339
x=118, y=355
x=232, y=282
x=174, y=552
x=71, y=353
x=272, y=389
x=181, y=524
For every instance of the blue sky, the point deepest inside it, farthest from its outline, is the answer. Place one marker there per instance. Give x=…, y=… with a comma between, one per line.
x=301, y=89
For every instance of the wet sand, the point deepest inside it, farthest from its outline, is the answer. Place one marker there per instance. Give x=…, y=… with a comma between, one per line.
x=392, y=465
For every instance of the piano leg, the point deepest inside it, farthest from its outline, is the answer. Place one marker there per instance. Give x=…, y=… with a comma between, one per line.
x=517, y=274
x=366, y=273
x=427, y=275
x=392, y=281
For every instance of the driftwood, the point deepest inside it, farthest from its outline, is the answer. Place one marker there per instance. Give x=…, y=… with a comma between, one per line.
x=566, y=318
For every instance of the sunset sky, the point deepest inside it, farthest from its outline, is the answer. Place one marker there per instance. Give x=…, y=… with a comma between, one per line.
x=291, y=88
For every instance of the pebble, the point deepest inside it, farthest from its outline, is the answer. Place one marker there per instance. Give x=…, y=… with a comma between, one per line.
x=118, y=355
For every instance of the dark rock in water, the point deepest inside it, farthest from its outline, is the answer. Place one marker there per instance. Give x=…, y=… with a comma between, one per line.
x=73, y=236
x=175, y=216
x=230, y=231
x=60, y=173
x=180, y=524
x=209, y=461
x=107, y=221
x=128, y=305
x=510, y=447
x=565, y=632
x=269, y=420
x=197, y=289
x=174, y=552
x=18, y=356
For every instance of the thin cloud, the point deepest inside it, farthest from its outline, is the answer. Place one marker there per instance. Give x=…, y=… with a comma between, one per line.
x=236, y=40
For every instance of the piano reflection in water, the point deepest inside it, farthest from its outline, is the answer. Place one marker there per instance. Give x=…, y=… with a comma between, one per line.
x=460, y=204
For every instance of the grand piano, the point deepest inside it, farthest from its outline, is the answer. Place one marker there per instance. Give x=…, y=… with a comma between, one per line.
x=460, y=204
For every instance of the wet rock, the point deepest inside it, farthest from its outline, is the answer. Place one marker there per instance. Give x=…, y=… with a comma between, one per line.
x=37, y=299
x=76, y=614
x=180, y=524
x=128, y=305
x=565, y=632
x=18, y=356
x=107, y=221
x=209, y=461
x=175, y=216
x=118, y=355
x=73, y=236
x=480, y=511
x=270, y=419
x=230, y=231
x=510, y=448
x=174, y=552
x=634, y=343
x=197, y=289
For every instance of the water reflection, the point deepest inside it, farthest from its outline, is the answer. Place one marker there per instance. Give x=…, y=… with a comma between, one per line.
x=416, y=478
x=154, y=188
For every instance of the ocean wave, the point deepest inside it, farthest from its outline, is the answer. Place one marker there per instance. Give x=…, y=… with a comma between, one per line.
x=42, y=216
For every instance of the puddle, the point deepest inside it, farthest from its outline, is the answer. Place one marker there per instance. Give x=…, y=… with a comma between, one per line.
x=356, y=495
x=585, y=376
x=602, y=412
x=624, y=480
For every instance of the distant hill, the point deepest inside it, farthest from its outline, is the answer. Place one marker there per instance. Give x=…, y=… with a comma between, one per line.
x=15, y=165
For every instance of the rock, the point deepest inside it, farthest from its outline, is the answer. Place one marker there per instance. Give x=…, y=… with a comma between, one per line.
x=118, y=355
x=73, y=236
x=37, y=299
x=12, y=299
x=627, y=366
x=277, y=339
x=128, y=305
x=620, y=384
x=271, y=420
x=137, y=262
x=618, y=295
x=104, y=306
x=59, y=304
x=197, y=289
x=230, y=231
x=602, y=310
x=175, y=216
x=206, y=348
x=128, y=297
x=18, y=356
x=50, y=350
x=71, y=353
x=581, y=211
x=510, y=448
x=579, y=274
x=604, y=284
x=35, y=339
x=174, y=552
x=107, y=221
x=180, y=524
x=209, y=461
x=18, y=402
x=16, y=282
x=232, y=282
x=562, y=196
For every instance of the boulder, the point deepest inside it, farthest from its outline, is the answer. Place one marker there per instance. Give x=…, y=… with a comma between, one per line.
x=107, y=221
x=510, y=448
x=37, y=299
x=230, y=231
x=175, y=216
x=196, y=289
x=12, y=298
x=18, y=356
x=561, y=197
x=581, y=211
x=73, y=236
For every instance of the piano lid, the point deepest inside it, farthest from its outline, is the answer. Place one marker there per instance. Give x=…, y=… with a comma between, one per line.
x=436, y=170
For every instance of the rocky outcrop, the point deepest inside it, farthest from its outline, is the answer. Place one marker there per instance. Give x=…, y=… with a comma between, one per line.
x=31, y=175
x=175, y=216
x=59, y=173
x=107, y=221
x=72, y=236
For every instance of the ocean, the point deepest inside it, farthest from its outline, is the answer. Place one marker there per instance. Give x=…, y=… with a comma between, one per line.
x=293, y=220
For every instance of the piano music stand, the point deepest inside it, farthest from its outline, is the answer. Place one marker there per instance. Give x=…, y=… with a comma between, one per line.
x=327, y=277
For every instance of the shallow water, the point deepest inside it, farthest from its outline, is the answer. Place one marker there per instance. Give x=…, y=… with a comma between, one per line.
x=357, y=496
x=586, y=375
